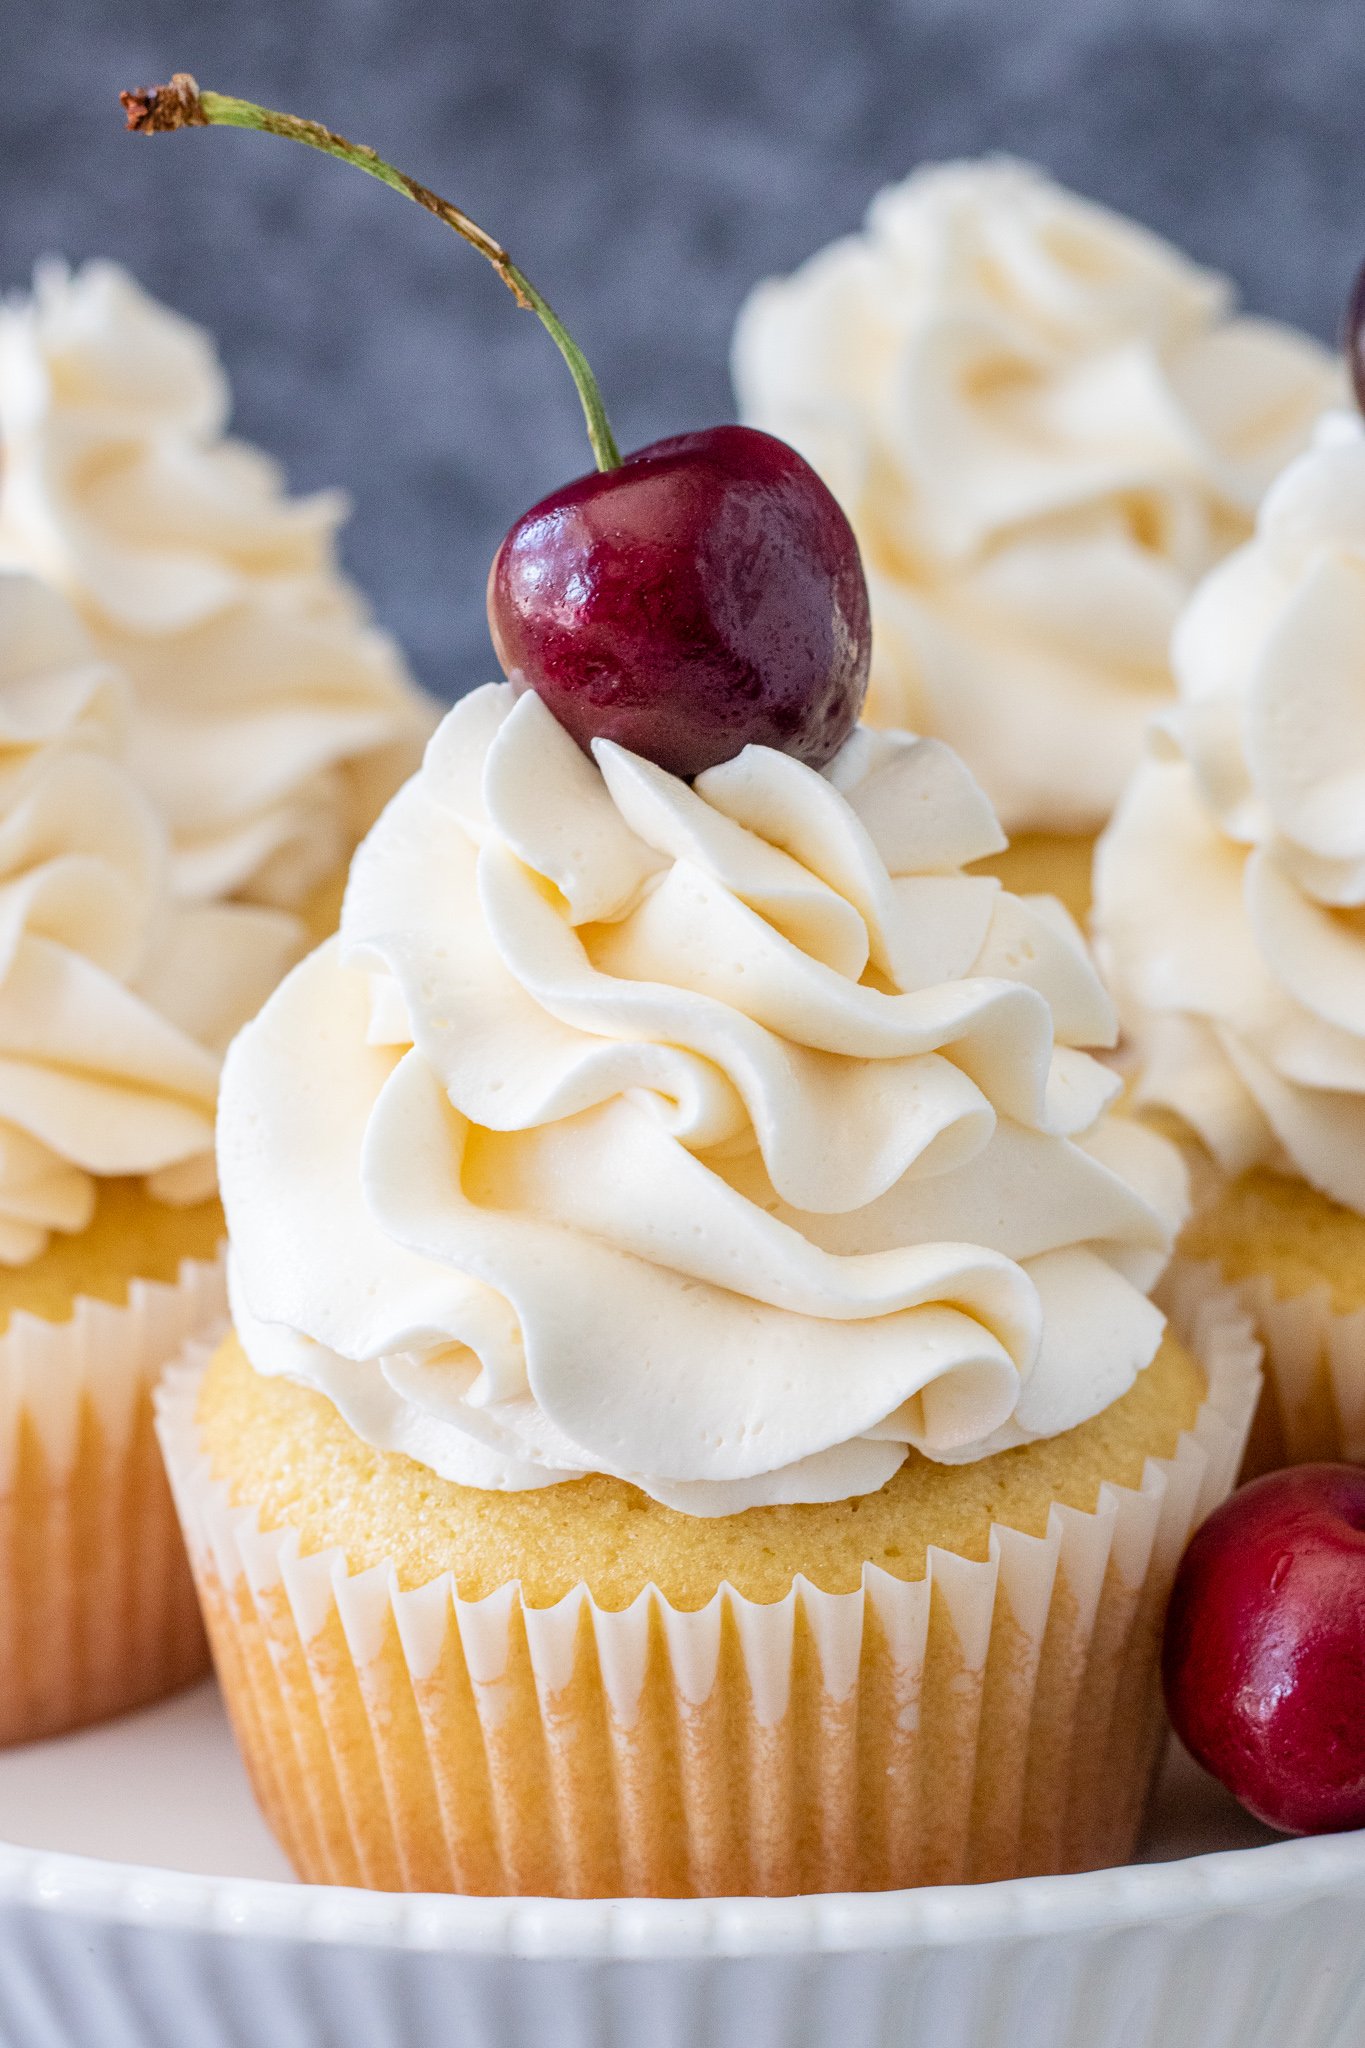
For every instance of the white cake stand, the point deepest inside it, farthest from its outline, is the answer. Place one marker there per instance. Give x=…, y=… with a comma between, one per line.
x=144, y=1905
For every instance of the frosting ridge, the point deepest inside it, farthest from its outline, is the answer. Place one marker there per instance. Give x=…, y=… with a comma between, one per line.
x=1045, y=424
x=1231, y=884
x=270, y=719
x=115, y=1002
x=724, y=1137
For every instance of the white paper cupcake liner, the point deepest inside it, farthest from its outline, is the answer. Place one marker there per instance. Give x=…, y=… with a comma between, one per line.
x=1313, y=1405
x=97, y=1608
x=995, y=1718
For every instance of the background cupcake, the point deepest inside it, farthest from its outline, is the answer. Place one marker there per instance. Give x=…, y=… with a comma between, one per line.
x=270, y=719
x=697, y=1421
x=115, y=1006
x=1045, y=425
x=1230, y=895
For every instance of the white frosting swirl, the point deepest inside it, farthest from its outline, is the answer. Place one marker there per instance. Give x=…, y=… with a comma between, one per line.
x=271, y=720
x=1045, y=426
x=723, y=1137
x=1231, y=884
x=115, y=1002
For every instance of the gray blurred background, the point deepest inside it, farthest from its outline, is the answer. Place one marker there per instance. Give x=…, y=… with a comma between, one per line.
x=644, y=160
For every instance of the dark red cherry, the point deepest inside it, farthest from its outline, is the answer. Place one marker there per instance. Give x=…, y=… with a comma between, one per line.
x=1353, y=338
x=1265, y=1647
x=705, y=595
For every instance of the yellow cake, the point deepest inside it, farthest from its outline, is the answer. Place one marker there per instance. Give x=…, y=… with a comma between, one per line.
x=1270, y=1223
x=321, y=909
x=1047, y=864
x=130, y=1237
x=284, y=1450
x=1300, y=1261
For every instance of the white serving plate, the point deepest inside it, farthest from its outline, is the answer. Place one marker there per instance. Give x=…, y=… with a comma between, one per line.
x=144, y=1905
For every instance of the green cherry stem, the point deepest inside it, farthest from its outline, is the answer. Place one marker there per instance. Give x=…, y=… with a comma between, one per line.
x=159, y=109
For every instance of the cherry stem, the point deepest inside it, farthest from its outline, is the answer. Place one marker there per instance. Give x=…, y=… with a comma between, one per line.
x=160, y=109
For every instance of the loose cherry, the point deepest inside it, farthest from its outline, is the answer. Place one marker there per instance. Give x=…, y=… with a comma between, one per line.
x=702, y=595
x=1264, y=1660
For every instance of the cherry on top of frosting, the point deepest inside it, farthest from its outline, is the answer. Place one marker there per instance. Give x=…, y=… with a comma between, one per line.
x=703, y=595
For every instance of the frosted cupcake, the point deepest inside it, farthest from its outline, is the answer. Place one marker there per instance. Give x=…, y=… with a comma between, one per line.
x=696, y=1420
x=1230, y=893
x=1045, y=425
x=271, y=719
x=115, y=1006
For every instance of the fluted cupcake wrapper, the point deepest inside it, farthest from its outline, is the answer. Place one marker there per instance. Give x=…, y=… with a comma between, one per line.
x=1313, y=1405
x=997, y=1717
x=97, y=1606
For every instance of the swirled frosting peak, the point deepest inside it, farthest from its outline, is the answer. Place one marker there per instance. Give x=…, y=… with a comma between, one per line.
x=725, y=1137
x=270, y=720
x=1231, y=884
x=115, y=1001
x=1045, y=425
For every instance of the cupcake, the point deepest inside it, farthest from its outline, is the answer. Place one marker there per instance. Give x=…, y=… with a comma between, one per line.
x=696, y=1420
x=115, y=1006
x=1230, y=899
x=1045, y=425
x=270, y=719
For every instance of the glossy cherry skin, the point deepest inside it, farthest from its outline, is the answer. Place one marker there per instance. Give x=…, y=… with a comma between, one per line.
x=1353, y=338
x=705, y=595
x=1264, y=1661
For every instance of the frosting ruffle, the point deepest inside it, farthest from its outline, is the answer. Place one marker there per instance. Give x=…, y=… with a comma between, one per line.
x=1045, y=424
x=725, y=1137
x=270, y=719
x=115, y=1002
x=1231, y=884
